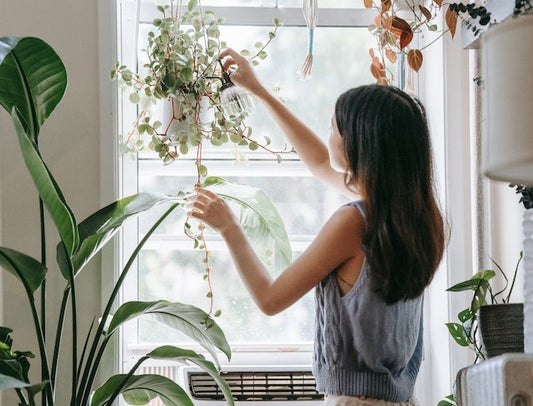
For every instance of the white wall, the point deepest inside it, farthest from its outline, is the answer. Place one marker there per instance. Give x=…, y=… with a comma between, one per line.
x=70, y=146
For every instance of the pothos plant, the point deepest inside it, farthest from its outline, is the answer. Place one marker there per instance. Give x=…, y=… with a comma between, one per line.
x=399, y=22
x=465, y=331
x=183, y=76
x=33, y=80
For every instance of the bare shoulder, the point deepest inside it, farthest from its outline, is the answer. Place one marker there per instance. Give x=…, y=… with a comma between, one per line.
x=346, y=227
x=349, y=217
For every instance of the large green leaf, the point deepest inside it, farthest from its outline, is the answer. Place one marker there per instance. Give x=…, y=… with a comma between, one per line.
x=97, y=229
x=30, y=271
x=188, y=319
x=12, y=368
x=8, y=382
x=168, y=352
x=47, y=187
x=141, y=389
x=33, y=80
x=259, y=218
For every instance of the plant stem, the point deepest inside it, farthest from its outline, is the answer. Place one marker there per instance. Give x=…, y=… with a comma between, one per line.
x=94, y=370
x=20, y=394
x=59, y=334
x=74, y=335
x=48, y=390
x=514, y=278
x=121, y=385
x=92, y=365
x=43, y=284
x=85, y=345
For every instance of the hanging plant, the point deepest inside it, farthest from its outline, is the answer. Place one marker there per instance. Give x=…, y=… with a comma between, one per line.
x=399, y=22
x=183, y=70
x=200, y=104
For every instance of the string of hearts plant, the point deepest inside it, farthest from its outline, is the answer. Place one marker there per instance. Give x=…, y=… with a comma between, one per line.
x=182, y=71
x=399, y=22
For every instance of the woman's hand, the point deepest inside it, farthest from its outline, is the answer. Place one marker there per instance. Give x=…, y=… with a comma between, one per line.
x=241, y=71
x=212, y=210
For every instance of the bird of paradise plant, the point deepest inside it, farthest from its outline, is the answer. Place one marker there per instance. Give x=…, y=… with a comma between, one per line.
x=33, y=81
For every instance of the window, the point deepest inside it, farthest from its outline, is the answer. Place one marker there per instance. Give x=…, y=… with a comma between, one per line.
x=447, y=119
x=169, y=267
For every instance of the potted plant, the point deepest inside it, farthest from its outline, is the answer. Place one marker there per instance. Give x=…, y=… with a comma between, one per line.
x=501, y=317
x=399, y=22
x=186, y=100
x=489, y=326
x=30, y=92
x=182, y=71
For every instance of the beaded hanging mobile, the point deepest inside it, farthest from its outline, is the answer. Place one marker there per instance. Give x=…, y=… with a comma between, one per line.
x=310, y=12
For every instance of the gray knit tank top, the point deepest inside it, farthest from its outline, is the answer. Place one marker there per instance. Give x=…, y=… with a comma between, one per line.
x=364, y=347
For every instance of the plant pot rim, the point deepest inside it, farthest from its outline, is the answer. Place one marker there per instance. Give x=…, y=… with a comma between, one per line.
x=503, y=304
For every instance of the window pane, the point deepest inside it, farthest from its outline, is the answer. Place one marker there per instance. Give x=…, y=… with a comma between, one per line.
x=303, y=202
x=177, y=276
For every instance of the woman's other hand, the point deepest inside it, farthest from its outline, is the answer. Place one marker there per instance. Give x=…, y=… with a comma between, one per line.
x=212, y=210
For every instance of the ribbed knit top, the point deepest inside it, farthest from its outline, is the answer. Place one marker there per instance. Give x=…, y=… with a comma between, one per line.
x=363, y=346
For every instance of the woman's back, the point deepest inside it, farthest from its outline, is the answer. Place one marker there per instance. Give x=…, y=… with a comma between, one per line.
x=364, y=346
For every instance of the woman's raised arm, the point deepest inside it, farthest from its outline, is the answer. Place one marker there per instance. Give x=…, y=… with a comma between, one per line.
x=309, y=147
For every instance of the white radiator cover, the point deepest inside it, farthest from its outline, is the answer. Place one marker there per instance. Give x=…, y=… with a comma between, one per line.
x=180, y=374
x=505, y=380
x=183, y=380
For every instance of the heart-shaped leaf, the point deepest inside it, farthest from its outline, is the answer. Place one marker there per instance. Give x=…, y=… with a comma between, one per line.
x=415, y=59
x=450, y=19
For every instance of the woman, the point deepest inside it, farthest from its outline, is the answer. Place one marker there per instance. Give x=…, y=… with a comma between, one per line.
x=373, y=258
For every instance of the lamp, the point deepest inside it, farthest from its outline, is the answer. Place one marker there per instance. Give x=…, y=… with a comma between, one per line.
x=507, y=50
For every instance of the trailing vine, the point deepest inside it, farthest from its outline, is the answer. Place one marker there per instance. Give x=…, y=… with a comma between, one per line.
x=183, y=71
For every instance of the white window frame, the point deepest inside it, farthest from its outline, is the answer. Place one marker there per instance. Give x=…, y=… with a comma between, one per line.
x=263, y=16
x=440, y=98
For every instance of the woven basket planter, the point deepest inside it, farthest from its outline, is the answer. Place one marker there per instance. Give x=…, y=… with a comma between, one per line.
x=502, y=328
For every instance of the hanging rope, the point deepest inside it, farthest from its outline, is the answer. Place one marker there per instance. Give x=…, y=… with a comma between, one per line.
x=310, y=11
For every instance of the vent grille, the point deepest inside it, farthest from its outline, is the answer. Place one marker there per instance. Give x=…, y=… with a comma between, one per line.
x=257, y=386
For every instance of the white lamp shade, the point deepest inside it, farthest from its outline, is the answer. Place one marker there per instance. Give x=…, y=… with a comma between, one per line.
x=507, y=51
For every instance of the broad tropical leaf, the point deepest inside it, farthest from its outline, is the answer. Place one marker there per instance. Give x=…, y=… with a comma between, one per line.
x=8, y=382
x=30, y=271
x=33, y=80
x=47, y=187
x=188, y=319
x=259, y=218
x=12, y=368
x=97, y=229
x=141, y=389
x=169, y=352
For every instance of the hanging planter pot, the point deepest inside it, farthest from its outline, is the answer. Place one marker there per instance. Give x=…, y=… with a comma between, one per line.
x=507, y=51
x=502, y=328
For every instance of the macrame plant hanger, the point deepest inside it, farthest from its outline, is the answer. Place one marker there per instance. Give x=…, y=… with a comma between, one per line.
x=310, y=12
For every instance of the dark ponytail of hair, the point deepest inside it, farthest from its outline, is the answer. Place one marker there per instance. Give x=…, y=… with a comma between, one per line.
x=387, y=144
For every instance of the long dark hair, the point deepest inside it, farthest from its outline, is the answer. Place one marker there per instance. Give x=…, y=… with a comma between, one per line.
x=387, y=144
